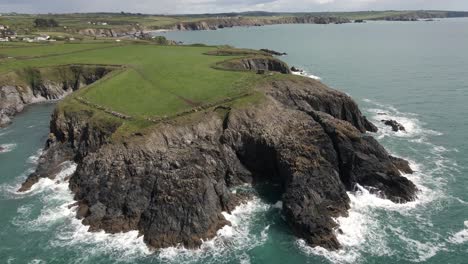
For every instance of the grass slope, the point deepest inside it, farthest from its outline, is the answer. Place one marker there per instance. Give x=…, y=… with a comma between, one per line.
x=154, y=82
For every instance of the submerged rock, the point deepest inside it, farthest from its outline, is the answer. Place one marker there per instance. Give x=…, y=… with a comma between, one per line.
x=394, y=124
x=172, y=183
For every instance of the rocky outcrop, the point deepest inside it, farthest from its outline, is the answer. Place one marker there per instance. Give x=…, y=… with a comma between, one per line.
x=257, y=63
x=394, y=125
x=36, y=89
x=274, y=52
x=172, y=182
x=213, y=24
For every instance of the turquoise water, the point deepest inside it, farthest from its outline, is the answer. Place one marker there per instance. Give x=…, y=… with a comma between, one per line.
x=416, y=73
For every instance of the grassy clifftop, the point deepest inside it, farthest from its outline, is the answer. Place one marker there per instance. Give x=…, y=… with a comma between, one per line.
x=148, y=83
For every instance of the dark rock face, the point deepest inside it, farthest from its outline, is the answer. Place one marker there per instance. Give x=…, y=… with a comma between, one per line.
x=214, y=24
x=267, y=64
x=402, y=165
x=294, y=69
x=394, y=124
x=173, y=183
x=273, y=52
x=258, y=64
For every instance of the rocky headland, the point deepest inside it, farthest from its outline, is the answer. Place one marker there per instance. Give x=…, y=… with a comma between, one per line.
x=172, y=181
x=218, y=23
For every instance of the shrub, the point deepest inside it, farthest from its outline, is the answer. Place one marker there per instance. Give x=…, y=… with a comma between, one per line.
x=42, y=22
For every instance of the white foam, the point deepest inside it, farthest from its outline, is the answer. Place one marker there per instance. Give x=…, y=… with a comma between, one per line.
x=7, y=147
x=33, y=159
x=461, y=236
x=244, y=258
x=4, y=133
x=229, y=240
x=308, y=75
x=418, y=251
x=363, y=231
x=69, y=231
x=37, y=261
x=414, y=127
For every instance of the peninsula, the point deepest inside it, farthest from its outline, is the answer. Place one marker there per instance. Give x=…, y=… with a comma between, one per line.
x=163, y=135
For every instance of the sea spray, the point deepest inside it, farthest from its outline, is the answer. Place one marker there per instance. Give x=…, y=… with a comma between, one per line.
x=461, y=236
x=57, y=215
x=308, y=75
x=5, y=148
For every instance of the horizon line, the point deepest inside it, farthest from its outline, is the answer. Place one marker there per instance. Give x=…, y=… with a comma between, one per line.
x=229, y=12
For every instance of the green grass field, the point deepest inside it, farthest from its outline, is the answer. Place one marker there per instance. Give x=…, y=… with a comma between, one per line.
x=153, y=82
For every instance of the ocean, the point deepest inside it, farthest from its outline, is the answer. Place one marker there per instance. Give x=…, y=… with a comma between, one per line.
x=413, y=72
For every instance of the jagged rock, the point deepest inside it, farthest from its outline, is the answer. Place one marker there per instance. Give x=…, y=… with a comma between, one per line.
x=213, y=24
x=402, y=165
x=273, y=52
x=4, y=120
x=394, y=124
x=260, y=63
x=172, y=183
x=294, y=69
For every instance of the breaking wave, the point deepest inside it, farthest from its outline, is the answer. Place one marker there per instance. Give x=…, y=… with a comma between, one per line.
x=460, y=237
x=373, y=223
x=230, y=240
x=59, y=216
x=308, y=75
x=4, y=148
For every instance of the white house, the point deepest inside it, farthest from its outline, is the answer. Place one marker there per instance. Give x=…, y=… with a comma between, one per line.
x=42, y=38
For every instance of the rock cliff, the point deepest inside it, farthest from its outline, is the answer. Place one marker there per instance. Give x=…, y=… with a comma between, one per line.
x=172, y=182
x=217, y=23
x=255, y=63
x=34, y=88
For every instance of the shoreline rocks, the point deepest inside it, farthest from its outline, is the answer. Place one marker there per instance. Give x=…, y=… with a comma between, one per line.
x=273, y=52
x=294, y=69
x=220, y=23
x=394, y=125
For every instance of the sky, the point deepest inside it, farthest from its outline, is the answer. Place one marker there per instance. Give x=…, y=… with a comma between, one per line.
x=217, y=6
